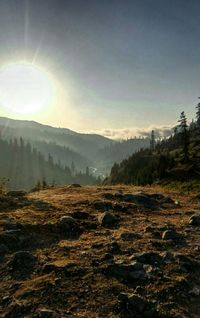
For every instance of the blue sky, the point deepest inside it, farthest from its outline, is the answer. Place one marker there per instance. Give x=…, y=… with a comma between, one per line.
x=122, y=65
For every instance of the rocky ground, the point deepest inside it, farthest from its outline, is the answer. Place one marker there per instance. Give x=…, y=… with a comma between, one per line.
x=99, y=252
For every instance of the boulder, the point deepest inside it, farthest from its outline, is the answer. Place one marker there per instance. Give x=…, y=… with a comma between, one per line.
x=151, y=258
x=68, y=225
x=108, y=220
x=22, y=264
x=133, y=271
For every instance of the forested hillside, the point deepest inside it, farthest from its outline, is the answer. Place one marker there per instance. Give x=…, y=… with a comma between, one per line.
x=25, y=167
x=176, y=158
x=62, y=154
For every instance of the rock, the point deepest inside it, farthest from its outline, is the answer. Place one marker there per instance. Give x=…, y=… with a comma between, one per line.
x=3, y=249
x=11, y=240
x=195, y=220
x=156, y=235
x=108, y=196
x=151, y=258
x=16, y=193
x=149, y=229
x=140, y=199
x=46, y=313
x=102, y=205
x=136, y=306
x=80, y=215
x=157, y=196
x=12, y=226
x=186, y=262
x=68, y=225
x=22, y=264
x=130, y=236
x=194, y=292
x=134, y=301
x=114, y=248
x=18, y=310
x=108, y=220
x=167, y=200
x=97, y=245
x=134, y=271
x=74, y=185
x=170, y=235
x=107, y=257
x=196, y=198
x=119, y=207
x=168, y=257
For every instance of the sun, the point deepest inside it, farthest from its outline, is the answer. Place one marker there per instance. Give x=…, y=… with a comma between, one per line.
x=25, y=88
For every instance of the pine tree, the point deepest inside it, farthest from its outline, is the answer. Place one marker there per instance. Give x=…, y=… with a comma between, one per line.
x=87, y=172
x=184, y=135
x=198, y=114
x=152, y=141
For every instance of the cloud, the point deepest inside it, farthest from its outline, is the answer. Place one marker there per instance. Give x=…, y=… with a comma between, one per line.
x=124, y=133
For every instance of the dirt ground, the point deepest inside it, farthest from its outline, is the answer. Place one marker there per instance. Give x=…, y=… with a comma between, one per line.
x=99, y=264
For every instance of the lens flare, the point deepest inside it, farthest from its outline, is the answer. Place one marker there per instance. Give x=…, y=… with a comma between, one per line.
x=25, y=88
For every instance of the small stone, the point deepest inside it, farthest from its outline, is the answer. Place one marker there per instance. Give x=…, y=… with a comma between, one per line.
x=114, y=248
x=74, y=185
x=67, y=220
x=46, y=313
x=168, y=257
x=16, y=193
x=102, y=205
x=108, y=219
x=170, y=235
x=195, y=220
x=130, y=236
x=3, y=249
x=194, y=292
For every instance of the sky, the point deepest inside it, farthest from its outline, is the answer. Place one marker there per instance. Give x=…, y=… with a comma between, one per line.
x=119, y=66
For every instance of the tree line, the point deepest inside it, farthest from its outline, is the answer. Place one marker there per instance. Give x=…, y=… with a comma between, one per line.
x=177, y=156
x=24, y=167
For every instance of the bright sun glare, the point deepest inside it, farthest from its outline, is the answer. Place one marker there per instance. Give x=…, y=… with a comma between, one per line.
x=25, y=88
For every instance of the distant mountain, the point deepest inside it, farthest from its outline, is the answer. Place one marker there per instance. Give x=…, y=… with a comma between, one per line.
x=85, y=144
x=70, y=148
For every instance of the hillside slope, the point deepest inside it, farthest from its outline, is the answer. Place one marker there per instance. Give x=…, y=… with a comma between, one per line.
x=62, y=256
x=67, y=146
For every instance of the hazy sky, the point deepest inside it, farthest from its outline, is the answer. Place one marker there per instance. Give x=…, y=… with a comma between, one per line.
x=119, y=64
